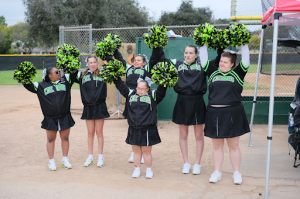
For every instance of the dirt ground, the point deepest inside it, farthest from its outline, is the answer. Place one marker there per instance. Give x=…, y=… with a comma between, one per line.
x=24, y=172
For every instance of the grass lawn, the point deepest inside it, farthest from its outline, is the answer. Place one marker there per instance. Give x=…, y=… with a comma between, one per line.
x=6, y=78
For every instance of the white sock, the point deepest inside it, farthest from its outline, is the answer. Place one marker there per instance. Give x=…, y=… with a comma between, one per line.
x=137, y=168
x=51, y=161
x=149, y=169
x=65, y=158
x=90, y=156
x=100, y=156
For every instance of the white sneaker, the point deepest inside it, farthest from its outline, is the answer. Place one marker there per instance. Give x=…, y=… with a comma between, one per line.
x=88, y=162
x=100, y=162
x=197, y=169
x=237, y=178
x=52, y=167
x=149, y=174
x=66, y=164
x=215, y=176
x=131, y=160
x=142, y=160
x=186, y=168
x=136, y=173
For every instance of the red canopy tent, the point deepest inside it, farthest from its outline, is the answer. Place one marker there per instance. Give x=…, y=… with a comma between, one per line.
x=284, y=13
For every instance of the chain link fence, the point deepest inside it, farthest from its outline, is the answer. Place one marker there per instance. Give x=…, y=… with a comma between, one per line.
x=85, y=38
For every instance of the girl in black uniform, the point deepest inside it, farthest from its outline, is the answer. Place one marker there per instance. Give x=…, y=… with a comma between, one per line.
x=190, y=107
x=140, y=69
x=226, y=117
x=93, y=95
x=142, y=120
x=55, y=99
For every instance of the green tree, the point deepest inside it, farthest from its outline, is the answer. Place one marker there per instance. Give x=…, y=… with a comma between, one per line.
x=45, y=17
x=221, y=21
x=255, y=42
x=22, y=38
x=2, y=20
x=186, y=15
x=5, y=39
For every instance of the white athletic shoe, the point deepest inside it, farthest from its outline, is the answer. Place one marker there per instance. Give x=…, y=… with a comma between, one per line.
x=215, y=176
x=149, y=174
x=131, y=158
x=136, y=173
x=52, y=167
x=197, y=169
x=142, y=160
x=100, y=162
x=66, y=164
x=88, y=162
x=237, y=178
x=186, y=168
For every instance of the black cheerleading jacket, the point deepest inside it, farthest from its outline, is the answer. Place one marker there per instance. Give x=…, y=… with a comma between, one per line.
x=141, y=110
x=54, y=97
x=191, y=77
x=93, y=89
x=133, y=74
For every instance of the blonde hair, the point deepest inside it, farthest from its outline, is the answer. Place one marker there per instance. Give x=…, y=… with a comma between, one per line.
x=96, y=72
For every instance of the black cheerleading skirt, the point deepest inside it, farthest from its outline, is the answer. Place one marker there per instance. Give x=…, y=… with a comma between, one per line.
x=95, y=112
x=58, y=124
x=189, y=110
x=143, y=136
x=226, y=122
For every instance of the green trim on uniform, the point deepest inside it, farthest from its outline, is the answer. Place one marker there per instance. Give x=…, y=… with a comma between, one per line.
x=68, y=78
x=241, y=82
x=36, y=85
x=245, y=68
x=205, y=67
x=212, y=75
x=78, y=75
x=127, y=66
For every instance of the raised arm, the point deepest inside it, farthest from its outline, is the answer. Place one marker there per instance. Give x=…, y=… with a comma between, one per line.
x=122, y=87
x=245, y=55
x=32, y=87
x=160, y=93
x=158, y=55
x=208, y=66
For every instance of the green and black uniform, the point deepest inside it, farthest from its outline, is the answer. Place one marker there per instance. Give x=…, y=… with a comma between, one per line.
x=55, y=101
x=142, y=114
x=93, y=92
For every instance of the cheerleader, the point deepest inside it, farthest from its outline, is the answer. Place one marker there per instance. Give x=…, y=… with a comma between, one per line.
x=93, y=92
x=226, y=117
x=55, y=99
x=189, y=107
x=142, y=121
x=141, y=69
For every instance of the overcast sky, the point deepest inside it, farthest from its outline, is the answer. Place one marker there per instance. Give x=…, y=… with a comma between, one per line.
x=13, y=10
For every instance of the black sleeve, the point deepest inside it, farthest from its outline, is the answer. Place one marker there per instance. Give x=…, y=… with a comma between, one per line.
x=30, y=87
x=122, y=87
x=119, y=57
x=74, y=77
x=160, y=93
x=158, y=55
x=297, y=116
x=216, y=61
x=209, y=68
x=241, y=70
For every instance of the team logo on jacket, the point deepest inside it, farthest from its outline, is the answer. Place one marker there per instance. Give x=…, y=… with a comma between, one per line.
x=97, y=78
x=145, y=99
x=223, y=78
x=48, y=90
x=195, y=67
x=60, y=87
x=133, y=98
x=86, y=79
x=182, y=67
x=135, y=71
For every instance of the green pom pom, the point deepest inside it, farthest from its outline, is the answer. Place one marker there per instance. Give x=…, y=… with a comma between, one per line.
x=25, y=73
x=113, y=70
x=165, y=74
x=239, y=34
x=108, y=46
x=205, y=34
x=219, y=39
x=156, y=37
x=67, y=58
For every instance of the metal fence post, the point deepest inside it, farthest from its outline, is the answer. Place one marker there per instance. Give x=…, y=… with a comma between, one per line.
x=90, y=39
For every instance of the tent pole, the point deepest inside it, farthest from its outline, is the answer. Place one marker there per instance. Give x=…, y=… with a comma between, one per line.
x=271, y=105
x=256, y=84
